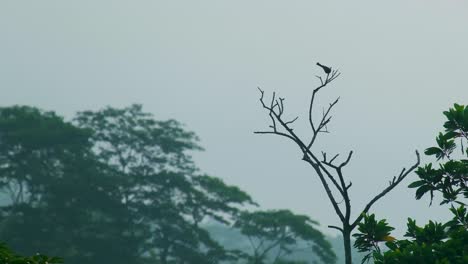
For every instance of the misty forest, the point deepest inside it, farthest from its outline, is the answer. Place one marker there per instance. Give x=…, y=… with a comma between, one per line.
x=234, y=132
x=117, y=185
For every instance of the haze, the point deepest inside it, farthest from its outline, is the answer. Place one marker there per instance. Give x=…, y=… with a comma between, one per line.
x=403, y=62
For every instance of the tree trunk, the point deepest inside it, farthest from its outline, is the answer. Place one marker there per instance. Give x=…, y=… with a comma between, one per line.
x=347, y=245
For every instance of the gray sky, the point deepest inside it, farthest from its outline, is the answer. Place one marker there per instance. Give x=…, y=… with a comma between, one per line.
x=403, y=62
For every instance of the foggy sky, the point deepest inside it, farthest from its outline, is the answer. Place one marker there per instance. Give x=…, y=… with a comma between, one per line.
x=403, y=62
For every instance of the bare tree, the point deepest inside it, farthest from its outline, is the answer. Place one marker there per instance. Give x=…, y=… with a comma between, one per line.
x=328, y=170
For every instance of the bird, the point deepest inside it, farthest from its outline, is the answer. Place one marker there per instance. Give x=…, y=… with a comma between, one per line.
x=388, y=238
x=326, y=69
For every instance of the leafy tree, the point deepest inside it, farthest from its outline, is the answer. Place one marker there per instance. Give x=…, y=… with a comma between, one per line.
x=436, y=243
x=160, y=186
x=451, y=177
x=329, y=172
x=278, y=233
x=371, y=233
x=58, y=194
x=115, y=187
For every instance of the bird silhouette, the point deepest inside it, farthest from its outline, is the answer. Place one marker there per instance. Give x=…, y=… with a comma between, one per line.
x=326, y=69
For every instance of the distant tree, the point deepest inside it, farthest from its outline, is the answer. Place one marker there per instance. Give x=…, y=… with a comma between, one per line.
x=164, y=194
x=434, y=243
x=59, y=195
x=280, y=233
x=328, y=171
x=115, y=187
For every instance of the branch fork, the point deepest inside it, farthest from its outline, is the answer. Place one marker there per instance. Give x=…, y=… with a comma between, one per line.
x=328, y=170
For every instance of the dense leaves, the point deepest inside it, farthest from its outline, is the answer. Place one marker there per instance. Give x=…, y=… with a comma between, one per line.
x=160, y=186
x=433, y=243
x=117, y=189
x=57, y=196
x=371, y=233
x=450, y=177
x=117, y=186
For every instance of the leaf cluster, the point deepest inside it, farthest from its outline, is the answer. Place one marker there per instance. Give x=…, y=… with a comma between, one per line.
x=450, y=177
x=433, y=243
x=371, y=233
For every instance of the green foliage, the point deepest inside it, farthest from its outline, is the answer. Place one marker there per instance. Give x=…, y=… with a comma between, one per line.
x=433, y=243
x=8, y=257
x=280, y=231
x=457, y=119
x=371, y=233
x=165, y=197
x=431, y=233
x=450, y=177
x=58, y=194
x=460, y=218
x=117, y=187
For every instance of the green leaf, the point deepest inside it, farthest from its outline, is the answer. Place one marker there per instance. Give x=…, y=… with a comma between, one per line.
x=421, y=191
x=416, y=184
x=433, y=151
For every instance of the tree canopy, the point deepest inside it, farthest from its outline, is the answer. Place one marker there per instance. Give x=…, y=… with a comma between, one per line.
x=279, y=233
x=114, y=186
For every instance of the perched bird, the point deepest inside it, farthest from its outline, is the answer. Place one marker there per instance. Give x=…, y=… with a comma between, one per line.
x=326, y=69
x=388, y=238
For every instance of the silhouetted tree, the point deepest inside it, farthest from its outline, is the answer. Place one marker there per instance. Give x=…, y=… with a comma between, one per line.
x=117, y=187
x=164, y=194
x=328, y=171
x=280, y=233
x=60, y=197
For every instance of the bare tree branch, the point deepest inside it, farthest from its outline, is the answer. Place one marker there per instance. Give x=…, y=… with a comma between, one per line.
x=292, y=121
x=393, y=183
x=326, y=169
x=275, y=116
x=336, y=227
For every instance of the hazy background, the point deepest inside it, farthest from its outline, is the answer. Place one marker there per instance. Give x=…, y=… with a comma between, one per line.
x=403, y=63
